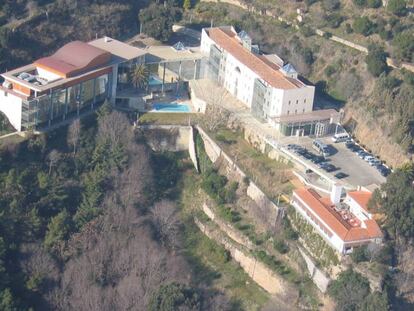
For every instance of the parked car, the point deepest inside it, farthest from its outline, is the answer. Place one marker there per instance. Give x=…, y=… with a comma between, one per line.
x=328, y=167
x=340, y=175
x=369, y=157
x=318, y=159
x=384, y=171
x=374, y=162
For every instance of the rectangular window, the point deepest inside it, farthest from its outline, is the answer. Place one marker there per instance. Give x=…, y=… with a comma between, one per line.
x=304, y=100
x=288, y=112
x=289, y=102
x=297, y=101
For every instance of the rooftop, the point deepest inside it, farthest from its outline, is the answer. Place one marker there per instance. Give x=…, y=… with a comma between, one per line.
x=74, y=58
x=264, y=68
x=338, y=218
x=117, y=48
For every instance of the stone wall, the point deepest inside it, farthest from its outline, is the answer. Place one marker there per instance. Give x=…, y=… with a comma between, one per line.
x=215, y=153
x=259, y=273
x=318, y=276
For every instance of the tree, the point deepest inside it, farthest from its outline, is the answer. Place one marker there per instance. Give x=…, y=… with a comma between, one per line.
x=376, y=302
x=374, y=3
x=403, y=44
x=395, y=199
x=74, y=134
x=157, y=20
x=349, y=290
x=331, y=5
x=397, y=7
x=173, y=297
x=376, y=60
x=363, y=25
x=139, y=76
x=187, y=4
x=53, y=157
x=165, y=222
x=360, y=2
x=58, y=229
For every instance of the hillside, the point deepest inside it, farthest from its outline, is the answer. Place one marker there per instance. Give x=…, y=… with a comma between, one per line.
x=381, y=106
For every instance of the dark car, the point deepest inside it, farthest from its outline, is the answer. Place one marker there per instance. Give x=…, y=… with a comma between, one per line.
x=318, y=159
x=384, y=171
x=328, y=167
x=341, y=175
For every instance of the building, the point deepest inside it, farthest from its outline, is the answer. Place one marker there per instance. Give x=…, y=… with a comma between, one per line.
x=264, y=83
x=80, y=76
x=344, y=224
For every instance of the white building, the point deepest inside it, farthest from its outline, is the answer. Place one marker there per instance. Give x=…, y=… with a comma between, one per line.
x=270, y=88
x=343, y=224
x=244, y=72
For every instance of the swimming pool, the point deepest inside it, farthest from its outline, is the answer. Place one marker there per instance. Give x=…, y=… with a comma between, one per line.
x=154, y=81
x=171, y=107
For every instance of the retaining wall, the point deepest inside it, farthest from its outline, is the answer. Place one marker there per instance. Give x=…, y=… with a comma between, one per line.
x=259, y=273
x=215, y=153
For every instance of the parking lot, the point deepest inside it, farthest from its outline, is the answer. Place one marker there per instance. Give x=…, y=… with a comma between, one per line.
x=356, y=171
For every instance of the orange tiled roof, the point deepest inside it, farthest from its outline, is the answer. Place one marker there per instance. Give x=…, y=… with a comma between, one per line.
x=268, y=72
x=321, y=207
x=361, y=197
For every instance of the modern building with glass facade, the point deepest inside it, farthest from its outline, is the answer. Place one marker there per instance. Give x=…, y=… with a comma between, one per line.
x=81, y=76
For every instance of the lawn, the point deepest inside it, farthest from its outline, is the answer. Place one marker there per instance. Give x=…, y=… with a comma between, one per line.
x=157, y=118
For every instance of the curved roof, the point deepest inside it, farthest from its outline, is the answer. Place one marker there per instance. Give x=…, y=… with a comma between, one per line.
x=74, y=58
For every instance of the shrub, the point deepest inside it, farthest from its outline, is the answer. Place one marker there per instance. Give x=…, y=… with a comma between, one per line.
x=334, y=20
x=374, y=3
x=397, y=7
x=175, y=296
x=330, y=70
x=363, y=25
x=230, y=195
x=360, y=254
x=280, y=246
x=307, y=31
x=331, y=5
x=376, y=60
x=360, y=2
x=403, y=44
x=348, y=28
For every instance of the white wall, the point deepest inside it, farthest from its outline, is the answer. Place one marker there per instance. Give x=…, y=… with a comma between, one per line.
x=49, y=76
x=293, y=101
x=206, y=42
x=11, y=106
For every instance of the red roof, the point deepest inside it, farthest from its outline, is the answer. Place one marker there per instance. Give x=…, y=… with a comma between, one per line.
x=324, y=209
x=74, y=58
x=260, y=65
x=361, y=197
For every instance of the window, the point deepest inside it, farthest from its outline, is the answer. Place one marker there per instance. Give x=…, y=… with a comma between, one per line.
x=303, y=110
x=297, y=101
x=296, y=111
x=289, y=102
x=288, y=112
x=304, y=100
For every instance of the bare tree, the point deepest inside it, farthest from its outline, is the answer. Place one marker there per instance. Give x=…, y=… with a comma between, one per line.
x=115, y=128
x=53, y=158
x=74, y=135
x=215, y=117
x=166, y=222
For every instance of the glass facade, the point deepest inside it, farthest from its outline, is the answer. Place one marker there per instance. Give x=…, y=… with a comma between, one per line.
x=55, y=107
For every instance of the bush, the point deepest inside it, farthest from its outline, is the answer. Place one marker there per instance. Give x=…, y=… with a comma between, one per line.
x=329, y=71
x=334, y=20
x=280, y=246
x=230, y=195
x=360, y=2
x=360, y=254
x=307, y=31
x=403, y=44
x=363, y=25
x=173, y=297
x=331, y=5
x=376, y=60
x=374, y=3
x=397, y=7
x=348, y=28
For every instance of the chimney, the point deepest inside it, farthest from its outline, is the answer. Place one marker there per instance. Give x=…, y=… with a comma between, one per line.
x=336, y=192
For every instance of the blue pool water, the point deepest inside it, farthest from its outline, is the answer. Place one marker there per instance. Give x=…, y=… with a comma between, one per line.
x=154, y=81
x=171, y=107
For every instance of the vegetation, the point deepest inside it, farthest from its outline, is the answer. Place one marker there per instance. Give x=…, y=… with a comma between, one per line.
x=376, y=60
x=139, y=76
x=351, y=291
x=157, y=20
